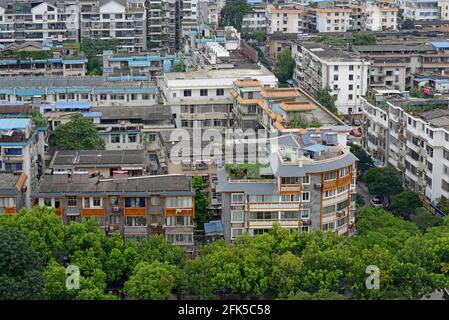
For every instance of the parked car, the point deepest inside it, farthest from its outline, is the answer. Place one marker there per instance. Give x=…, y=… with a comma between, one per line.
x=356, y=132
x=377, y=202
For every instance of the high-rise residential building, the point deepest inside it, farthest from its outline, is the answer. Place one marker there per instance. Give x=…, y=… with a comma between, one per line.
x=124, y=20
x=39, y=21
x=287, y=19
x=256, y=20
x=161, y=24
x=344, y=73
x=331, y=19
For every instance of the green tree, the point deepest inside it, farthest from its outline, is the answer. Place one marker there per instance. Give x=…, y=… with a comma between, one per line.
x=202, y=213
x=21, y=273
x=152, y=281
x=424, y=219
x=285, y=66
x=365, y=161
x=408, y=24
x=404, y=204
x=41, y=226
x=364, y=38
x=233, y=12
x=286, y=275
x=383, y=181
x=259, y=36
x=78, y=134
x=92, y=47
x=319, y=295
x=37, y=118
x=416, y=93
x=55, y=282
x=324, y=97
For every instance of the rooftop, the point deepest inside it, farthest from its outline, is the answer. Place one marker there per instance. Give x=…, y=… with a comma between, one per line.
x=97, y=158
x=331, y=53
x=14, y=123
x=142, y=185
x=157, y=113
x=11, y=183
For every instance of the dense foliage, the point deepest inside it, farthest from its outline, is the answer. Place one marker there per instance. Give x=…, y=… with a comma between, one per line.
x=78, y=134
x=92, y=48
x=233, y=12
x=285, y=66
x=276, y=265
x=324, y=97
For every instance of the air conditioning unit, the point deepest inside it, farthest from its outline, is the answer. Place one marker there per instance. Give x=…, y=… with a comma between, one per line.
x=340, y=213
x=115, y=209
x=317, y=185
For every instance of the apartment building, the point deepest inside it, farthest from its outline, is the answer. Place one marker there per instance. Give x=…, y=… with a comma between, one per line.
x=22, y=151
x=287, y=19
x=203, y=98
x=162, y=32
x=134, y=206
x=307, y=184
x=94, y=89
x=411, y=135
x=277, y=109
x=380, y=16
x=256, y=20
x=124, y=20
x=39, y=21
x=344, y=73
x=12, y=192
x=331, y=19
x=421, y=9
x=136, y=67
x=390, y=73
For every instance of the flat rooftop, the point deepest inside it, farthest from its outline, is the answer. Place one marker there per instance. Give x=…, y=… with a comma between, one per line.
x=331, y=53
x=222, y=73
x=139, y=186
x=94, y=158
x=158, y=113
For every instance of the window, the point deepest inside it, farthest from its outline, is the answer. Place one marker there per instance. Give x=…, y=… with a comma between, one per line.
x=131, y=202
x=290, y=180
x=328, y=226
x=187, y=93
x=115, y=138
x=290, y=198
x=351, y=68
x=305, y=196
x=179, y=221
x=289, y=215
x=7, y=202
x=306, y=179
x=329, y=209
x=329, y=193
x=237, y=198
x=351, y=77
x=304, y=229
x=132, y=138
x=341, y=222
x=71, y=201
x=305, y=213
x=136, y=221
x=335, y=68
x=220, y=92
x=106, y=16
x=155, y=201
x=332, y=175
x=237, y=216
x=344, y=172
x=179, y=202
x=92, y=202
x=203, y=92
x=342, y=205
x=235, y=232
x=350, y=87
x=118, y=16
x=335, y=77
x=96, y=202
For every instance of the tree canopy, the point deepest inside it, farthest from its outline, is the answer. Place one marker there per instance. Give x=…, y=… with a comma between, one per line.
x=285, y=66
x=233, y=12
x=324, y=97
x=383, y=181
x=202, y=213
x=78, y=134
x=92, y=47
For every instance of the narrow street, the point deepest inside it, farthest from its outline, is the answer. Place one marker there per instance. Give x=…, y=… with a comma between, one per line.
x=363, y=191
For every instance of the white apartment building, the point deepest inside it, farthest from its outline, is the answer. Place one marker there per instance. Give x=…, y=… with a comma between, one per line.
x=444, y=9
x=345, y=74
x=336, y=19
x=203, y=98
x=380, y=17
x=421, y=9
x=48, y=20
x=287, y=19
x=415, y=143
x=256, y=20
x=124, y=20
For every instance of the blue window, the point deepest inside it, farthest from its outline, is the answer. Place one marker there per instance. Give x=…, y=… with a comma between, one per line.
x=8, y=167
x=135, y=202
x=1, y=165
x=13, y=151
x=152, y=157
x=19, y=167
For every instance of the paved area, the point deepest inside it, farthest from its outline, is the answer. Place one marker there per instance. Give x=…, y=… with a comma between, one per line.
x=363, y=191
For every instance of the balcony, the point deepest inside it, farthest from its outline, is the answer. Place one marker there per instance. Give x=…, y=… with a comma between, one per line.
x=273, y=206
x=135, y=212
x=93, y=212
x=269, y=223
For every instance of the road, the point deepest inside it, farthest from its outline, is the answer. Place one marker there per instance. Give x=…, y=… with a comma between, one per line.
x=363, y=191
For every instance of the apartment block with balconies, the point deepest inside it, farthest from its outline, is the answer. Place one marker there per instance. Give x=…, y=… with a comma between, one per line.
x=134, y=206
x=49, y=20
x=124, y=20
x=22, y=151
x=308, y=183
x=287, y=19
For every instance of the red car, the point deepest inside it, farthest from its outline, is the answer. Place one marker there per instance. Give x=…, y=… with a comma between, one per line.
x=356, y=133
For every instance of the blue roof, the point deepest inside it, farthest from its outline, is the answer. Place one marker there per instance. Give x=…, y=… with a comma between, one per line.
x=8, y=124
x=69, y=105
x=316, y=148
x=94, y=114
x=441, y=44
x=213, y=226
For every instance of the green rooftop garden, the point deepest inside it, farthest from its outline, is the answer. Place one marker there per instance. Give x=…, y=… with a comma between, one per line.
x=27, y=54
x=415, y=109
x=248, y=171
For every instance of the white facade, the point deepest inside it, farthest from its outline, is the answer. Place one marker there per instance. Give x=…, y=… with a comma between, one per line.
x=346, y=76
x=421, y=10
x=380, y=18
x=412, y=145
x=47, y=21
x=255, y=20
x=203, y=98
x=124, y=20
x=333, y=19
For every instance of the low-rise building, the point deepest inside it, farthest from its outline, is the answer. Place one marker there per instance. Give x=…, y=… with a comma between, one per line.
x=331, y=19
x=12, y=192
x=287, y=19
x=22, y=150
x=256, y=20
x=135, y=206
